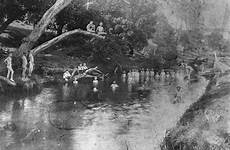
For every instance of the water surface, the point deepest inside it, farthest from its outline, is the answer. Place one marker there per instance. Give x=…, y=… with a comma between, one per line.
x=68, y=117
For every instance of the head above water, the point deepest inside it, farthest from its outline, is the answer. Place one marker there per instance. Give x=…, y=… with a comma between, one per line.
x=178, y=88
x=101, y=24
x=91, y=22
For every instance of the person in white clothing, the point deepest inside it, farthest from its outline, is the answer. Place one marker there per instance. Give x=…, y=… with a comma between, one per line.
x=31, y=63
x=10, y=71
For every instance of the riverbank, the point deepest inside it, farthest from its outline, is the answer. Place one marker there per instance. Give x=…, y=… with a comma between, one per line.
x=206, y=124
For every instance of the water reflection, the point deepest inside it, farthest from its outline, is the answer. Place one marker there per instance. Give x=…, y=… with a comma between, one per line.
x=74, y=117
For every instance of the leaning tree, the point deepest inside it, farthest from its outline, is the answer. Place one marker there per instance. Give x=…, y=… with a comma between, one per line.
x=29, y=42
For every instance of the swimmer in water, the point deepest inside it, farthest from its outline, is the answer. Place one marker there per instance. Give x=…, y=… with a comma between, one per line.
x=152, y=73
x=95, y=82
x=167, y=75
x=114, y=86
x=75, y=81
x=123, y=74
x=147, y=73
x=162, y=75
x=142, y=72
x=157, y=76
x=95, y=89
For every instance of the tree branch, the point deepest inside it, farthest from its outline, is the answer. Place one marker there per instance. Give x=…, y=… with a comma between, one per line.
x=7, y=81
x=30, y=41
x=57, y=39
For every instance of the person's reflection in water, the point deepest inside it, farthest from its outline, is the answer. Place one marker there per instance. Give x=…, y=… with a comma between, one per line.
x=65, y=91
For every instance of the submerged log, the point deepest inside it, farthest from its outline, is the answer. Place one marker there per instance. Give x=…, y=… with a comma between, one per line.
x=7, y=81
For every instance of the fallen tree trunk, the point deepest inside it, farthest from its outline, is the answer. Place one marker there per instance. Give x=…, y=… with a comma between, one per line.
x=30, y=41
x=6, y=80
x=55, y=40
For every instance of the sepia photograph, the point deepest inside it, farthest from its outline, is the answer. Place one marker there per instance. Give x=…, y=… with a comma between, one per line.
x=114, y=74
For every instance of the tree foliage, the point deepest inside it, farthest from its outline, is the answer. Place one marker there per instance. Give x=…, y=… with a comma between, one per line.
x=11, y=10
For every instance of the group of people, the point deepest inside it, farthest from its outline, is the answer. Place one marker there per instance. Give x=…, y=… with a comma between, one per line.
x=92, y=28
x=148, y=74
x=113, y=86
x=79, y=69
x=27, y=65
x=143, y=76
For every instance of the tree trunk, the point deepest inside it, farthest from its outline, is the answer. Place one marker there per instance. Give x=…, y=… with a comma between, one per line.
x=55, y=40
x=5, y=25
x=30, y=41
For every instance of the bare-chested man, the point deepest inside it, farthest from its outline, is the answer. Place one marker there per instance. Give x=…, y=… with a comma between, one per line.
x=31, y=64
x=10, y=71
x=24, y=66
x=100, y=29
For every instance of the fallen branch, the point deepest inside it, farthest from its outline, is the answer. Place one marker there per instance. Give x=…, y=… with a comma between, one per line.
x=7, y=81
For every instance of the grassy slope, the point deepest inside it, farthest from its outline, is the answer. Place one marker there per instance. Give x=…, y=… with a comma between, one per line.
x=206, y=125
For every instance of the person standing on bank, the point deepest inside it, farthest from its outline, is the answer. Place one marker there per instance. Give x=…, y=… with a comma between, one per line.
x=24, y=66
x=31, y=63
x=10, y=71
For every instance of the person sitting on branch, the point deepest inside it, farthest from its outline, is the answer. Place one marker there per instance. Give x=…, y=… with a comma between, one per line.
x=90, y=27
x=66, y=75
x=100, y=29
x=10, y=71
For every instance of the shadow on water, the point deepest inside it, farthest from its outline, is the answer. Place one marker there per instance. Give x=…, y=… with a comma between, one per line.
x=70, y=117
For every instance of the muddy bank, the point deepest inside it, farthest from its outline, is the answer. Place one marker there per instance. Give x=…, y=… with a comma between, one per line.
x=206, y=124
